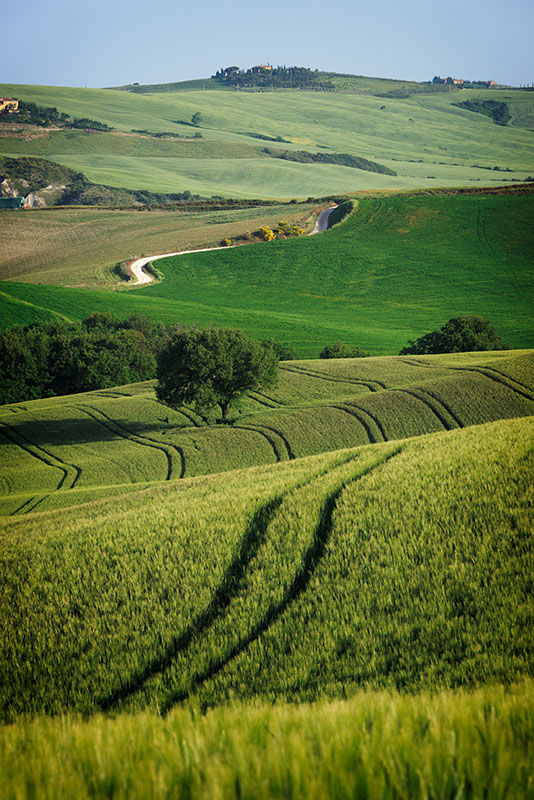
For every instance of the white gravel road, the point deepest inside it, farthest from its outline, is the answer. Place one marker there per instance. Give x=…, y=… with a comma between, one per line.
x=141, y=277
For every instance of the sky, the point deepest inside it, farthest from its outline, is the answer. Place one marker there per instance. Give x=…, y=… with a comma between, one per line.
x=98, y=43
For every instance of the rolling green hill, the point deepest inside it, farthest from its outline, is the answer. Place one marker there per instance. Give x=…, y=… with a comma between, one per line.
x=402, y=564
x=81, y=246
x=66, y=450
x=396, y=269
x=424, y=138
x=355, y=535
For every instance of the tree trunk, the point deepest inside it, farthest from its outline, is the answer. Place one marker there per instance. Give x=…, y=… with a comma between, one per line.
x=224, y=409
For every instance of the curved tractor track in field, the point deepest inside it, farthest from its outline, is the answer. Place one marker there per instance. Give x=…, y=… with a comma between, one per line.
x=70, y=472
x=232, y=585
x=141, y=278
x=174, y=469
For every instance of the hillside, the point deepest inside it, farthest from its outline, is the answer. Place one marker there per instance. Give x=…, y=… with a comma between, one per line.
x=425, y=138
x=397, y=268
x=403, y=564
x=67, y=450
x=82, y=246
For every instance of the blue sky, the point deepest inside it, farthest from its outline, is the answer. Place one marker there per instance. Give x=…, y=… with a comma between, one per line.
x=112, y=42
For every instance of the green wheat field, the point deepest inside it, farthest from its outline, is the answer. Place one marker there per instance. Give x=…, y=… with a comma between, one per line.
x=330, y=595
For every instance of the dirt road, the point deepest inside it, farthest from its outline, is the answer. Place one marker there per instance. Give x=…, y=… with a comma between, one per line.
x=141, y=277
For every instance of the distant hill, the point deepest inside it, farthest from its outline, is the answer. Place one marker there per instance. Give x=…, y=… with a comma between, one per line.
x=397, y=268
x=273, y=78
x=421, y=135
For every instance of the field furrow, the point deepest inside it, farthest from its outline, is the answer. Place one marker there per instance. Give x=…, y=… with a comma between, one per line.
x=279, y=447
x=444, y=416
x=371, y=385
x=279, y=571
x=363, y=413
x=70, y=472
x=175, y=468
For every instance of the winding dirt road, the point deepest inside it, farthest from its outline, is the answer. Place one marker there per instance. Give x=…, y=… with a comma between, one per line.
x=141, y=277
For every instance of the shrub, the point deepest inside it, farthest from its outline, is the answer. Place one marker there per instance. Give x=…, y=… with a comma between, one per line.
x=267, y=233
x=283, y=351
x=340, y=350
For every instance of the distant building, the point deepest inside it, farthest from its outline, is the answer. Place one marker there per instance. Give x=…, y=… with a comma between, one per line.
x=9, y=104
x=461, y=82
x=262, y=68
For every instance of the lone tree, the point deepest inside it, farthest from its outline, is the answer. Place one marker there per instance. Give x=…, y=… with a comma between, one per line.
x=458, y=335
x=212, y=367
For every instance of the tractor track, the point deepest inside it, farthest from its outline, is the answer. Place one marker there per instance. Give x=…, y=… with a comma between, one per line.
x=371, y=385
x=309, y=564
x=120, y=430
x=17, y=438
x=229, y=588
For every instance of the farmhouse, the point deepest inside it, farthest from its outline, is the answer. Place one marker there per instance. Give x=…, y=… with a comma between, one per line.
x=259, y=68
x=9, y=104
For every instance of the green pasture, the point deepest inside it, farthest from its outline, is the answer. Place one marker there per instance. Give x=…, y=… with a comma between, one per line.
x=80, y=246
x=422, y=129
x=403, y=564
x=61, y=451
x=394, y=270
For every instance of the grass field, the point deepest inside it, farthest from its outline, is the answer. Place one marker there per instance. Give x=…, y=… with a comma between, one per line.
x=332, y=594
x=402, y=564
x=80, y=246
x=424, y=138
x=382, y=746
x=65, y=450
x=397, y=268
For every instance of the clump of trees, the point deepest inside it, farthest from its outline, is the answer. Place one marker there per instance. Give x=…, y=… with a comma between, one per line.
x=341, y=159
x=166, y=134
x=216, y=366
x=283, y=351
x=496, y=109
x=340, y=350
x=459, y=335
x=59, y=357
x=275, y=77
x=43, y=116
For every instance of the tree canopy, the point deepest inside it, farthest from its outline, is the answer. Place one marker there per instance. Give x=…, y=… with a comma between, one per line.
x=340, y=350
x=459, y=335
x=216, y=366
x=52, y=358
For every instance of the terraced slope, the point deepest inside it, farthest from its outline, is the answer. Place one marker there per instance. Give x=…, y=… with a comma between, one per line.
x=399, y=267
x=425, y=139
x=64, y=451
x=404, y=564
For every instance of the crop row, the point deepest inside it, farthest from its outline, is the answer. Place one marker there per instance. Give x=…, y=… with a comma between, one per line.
x=388, y=565
x=124, y=437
